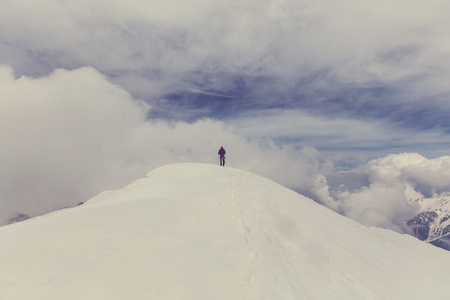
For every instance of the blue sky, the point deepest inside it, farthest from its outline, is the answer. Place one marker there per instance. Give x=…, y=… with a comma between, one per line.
x=315, y=87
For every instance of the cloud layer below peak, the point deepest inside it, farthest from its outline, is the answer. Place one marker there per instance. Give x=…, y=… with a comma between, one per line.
x=293, y=89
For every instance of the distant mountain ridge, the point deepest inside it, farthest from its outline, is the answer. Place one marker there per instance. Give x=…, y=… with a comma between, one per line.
x=432, y=225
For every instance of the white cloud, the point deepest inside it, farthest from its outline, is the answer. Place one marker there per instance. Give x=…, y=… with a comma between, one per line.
x=357, y=43
x=426, y=175
x=66, y=134
x=73, y=134
x=379, y=204
x=378, y=193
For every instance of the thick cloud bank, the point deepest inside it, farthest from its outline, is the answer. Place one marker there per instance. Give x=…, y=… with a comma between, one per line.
x=73, y=134
x=63, y=136
x=378, y=192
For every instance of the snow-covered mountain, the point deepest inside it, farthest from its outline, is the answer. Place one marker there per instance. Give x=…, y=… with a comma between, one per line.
x=433, y=223
x=195, y=231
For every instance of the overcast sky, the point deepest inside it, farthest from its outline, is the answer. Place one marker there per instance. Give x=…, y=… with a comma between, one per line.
x=95, y=93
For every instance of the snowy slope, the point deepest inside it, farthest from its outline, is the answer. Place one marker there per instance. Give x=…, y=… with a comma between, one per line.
x=194, y=231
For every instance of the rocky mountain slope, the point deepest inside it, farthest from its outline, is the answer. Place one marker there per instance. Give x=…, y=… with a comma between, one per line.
x=433, y=223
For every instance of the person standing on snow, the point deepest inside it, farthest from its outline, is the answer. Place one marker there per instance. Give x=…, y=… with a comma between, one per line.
x=222, y=153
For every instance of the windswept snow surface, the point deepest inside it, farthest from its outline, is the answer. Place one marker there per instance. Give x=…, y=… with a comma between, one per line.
x=195, y=231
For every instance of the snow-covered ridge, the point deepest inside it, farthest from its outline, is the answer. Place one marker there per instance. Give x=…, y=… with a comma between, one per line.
x=433, y=223
x=195, y=231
